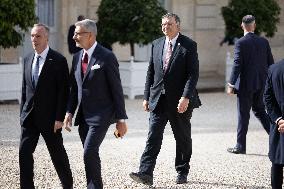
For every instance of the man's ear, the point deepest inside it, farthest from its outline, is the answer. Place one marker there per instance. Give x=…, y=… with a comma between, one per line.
x=178, y=26
x=242, y=25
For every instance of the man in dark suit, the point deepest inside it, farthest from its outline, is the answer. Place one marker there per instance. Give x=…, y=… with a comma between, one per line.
x=170, y=95
x=273, y=100
x=252, y=59
x=43, y=106
x=96, y=89
x=71, y=43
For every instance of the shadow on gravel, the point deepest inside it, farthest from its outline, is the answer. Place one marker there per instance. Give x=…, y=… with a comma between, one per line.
x=187, y=186
x=260, y=155
x=9, y=143
x=236, y=186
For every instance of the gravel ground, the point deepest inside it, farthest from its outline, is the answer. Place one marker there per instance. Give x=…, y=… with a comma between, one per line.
x=213, y=130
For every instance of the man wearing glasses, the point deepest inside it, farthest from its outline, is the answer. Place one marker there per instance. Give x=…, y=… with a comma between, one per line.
x=97, y=92
x=170, y=95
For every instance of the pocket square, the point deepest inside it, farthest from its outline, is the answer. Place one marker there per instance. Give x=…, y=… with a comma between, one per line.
x=95, y=67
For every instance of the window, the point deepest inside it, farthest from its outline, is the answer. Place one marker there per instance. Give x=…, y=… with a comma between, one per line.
x=162, y=2
x=45, y=12
x=166, y=4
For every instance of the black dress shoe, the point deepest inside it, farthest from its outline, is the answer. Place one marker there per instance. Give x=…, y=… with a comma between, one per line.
x=236, y=150
x=142, y=178
x=181, y=179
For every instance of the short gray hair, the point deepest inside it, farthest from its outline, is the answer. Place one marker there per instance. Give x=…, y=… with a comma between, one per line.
x=89, y=25
x=172, y=15
x=44, y=26
x=248, y=19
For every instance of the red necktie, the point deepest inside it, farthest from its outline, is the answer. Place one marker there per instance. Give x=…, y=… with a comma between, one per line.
x=85, y=63
x=168, y=56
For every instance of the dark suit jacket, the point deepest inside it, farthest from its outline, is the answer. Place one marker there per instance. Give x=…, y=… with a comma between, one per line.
x=252, y=59
x=71, y=43
x=99, y=93
x=49, y=99
x=274, y=102
x=180, y=78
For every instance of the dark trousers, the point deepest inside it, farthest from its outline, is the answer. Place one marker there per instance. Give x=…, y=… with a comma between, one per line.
x=276, y=176
x=181, y=127
x=245, y=102
x=92, y=137
x=29, y=138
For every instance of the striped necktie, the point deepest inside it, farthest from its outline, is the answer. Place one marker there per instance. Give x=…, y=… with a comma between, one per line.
x=168, y=56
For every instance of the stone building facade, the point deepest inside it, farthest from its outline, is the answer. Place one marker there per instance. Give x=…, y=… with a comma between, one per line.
x=200, y=19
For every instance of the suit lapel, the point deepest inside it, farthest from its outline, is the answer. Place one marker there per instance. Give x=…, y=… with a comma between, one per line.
x=78, y=73
x=29, y=69
x=46, y=64
x=174, y=53
x=93, y=59
x=160, y=52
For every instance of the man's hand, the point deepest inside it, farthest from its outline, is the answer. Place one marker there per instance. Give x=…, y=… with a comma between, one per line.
x=68, y=121
x=182, y=105
x=121, y=128
x=57, y=125
x=146, y=105
x=230, y=90
x=281, y=126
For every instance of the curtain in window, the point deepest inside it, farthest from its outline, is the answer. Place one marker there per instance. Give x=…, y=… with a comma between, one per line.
x=45, y=12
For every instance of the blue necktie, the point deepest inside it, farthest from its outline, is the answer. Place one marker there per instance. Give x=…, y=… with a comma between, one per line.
x=36, y=71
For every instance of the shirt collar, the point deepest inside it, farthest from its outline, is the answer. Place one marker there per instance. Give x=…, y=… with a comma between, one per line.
x=245, y=33
x=43, y=54
x=90, y=51
x=173, y=41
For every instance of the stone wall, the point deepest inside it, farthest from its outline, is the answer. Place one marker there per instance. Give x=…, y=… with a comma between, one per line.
x=10, y=55
x=277, y=42
x=200, y=19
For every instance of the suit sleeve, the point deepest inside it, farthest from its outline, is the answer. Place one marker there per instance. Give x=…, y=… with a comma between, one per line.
x=149, y=77
x=270, y=101
x=114, y=81
x=192, y=70
x=62, y=89
x=270, y=59
x=236, y=69
x=73, y=95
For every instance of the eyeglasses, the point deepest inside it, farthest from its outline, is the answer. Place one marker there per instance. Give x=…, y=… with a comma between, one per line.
x=169, y=24
x=80, y=33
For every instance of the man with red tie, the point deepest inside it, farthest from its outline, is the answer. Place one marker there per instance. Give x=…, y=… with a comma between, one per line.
x=97, y=92
x=170, y=95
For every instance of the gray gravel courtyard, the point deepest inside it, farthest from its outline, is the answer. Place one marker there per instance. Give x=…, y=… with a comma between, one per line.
x=213, y=130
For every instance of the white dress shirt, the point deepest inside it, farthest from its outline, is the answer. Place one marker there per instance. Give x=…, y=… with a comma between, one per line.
x=42, y=59
x=173, y=41
x=90, y=51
